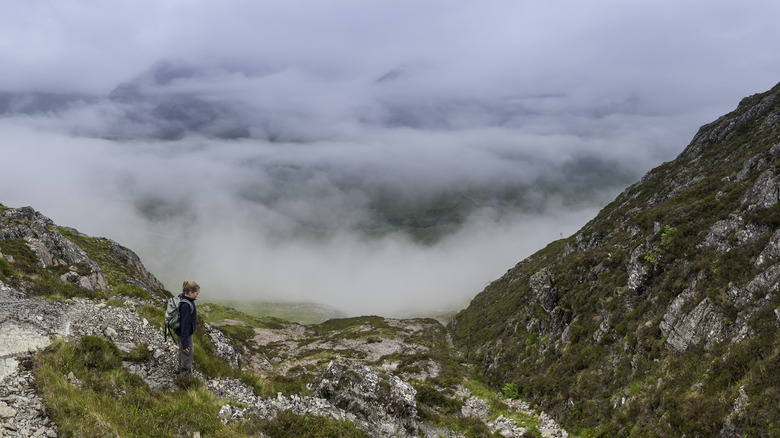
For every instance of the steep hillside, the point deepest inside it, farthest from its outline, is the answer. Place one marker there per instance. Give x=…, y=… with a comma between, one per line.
x=660, y=316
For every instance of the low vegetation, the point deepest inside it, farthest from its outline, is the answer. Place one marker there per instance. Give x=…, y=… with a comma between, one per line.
x=116, y=270
x=101, y=398
x=25, y=272
x=88, y=393
x=598, y=360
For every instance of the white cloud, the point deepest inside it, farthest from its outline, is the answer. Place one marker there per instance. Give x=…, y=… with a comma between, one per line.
x=335, y=102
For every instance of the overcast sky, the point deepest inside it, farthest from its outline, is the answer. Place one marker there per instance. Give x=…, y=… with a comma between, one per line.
x=179, y=115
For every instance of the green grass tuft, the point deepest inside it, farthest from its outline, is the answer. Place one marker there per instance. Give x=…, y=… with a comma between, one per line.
x=107, y=400
x=290, y=425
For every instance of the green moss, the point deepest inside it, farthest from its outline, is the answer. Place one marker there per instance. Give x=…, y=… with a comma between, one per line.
x=237, y=332
x=153, y=314
x=25, y=260
x=141, y=353
x=115, y=302
x=131, y=290
x=5, y=268
x=289, y=425
x=354, y=328
x=511, y=390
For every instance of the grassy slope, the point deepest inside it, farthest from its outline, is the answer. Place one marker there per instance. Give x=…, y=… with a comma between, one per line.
x=587, y=383
x=103, y=399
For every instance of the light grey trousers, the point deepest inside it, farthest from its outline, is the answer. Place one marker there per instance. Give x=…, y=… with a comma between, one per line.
x=185, y=357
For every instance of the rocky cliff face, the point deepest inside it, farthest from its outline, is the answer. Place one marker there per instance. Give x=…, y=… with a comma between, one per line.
x=660, y=316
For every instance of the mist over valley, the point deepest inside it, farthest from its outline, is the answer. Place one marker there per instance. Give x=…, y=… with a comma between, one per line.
x=393, y=164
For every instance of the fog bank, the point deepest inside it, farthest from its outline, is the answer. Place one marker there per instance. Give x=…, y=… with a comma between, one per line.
x=382, y=157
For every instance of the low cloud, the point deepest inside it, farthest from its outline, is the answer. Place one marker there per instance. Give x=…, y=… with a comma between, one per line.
x=301, y=221
x=380, y=158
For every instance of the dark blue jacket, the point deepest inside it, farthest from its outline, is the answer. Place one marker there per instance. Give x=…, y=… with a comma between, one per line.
x=188, y=317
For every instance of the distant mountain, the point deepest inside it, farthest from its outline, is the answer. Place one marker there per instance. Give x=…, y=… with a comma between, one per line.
x=40, y=102
x=661, y=316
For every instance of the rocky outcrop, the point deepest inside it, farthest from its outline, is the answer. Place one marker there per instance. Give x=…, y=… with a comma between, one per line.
x=544, y=289
x=387, y=403
x=770, y=253
x=268, y=407
x=731, y=233
x=703, y=323
x=726, y=126
x=765, y=192
x=637, y=270
x=225, y=350
x=52, y=250
x=135, y=272
x=50, y=246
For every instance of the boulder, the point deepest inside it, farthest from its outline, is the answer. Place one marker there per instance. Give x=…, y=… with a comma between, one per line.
x=702, y=324
x=386, y=403
x=765, y=192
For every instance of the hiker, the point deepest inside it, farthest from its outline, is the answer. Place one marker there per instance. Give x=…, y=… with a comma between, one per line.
x=188, y=316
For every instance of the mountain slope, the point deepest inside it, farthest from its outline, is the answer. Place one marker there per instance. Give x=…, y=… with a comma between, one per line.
x=660, y=316
x=82, y=353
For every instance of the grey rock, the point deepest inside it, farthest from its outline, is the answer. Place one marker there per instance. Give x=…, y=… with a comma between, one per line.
x=637, y=271
x=718, y=236
x=771, y=252
x=475, y=407
x=111, y=333
x=224, y=350
x=6, y=411
x=387, y=404
x=703, y=324
x=49, y=245
x=756, y=162
x=765, y=192
x=764, y=283
x=544, y=290
x=673, y=311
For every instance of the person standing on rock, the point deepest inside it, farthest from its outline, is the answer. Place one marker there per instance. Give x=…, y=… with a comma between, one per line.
x=188, y=315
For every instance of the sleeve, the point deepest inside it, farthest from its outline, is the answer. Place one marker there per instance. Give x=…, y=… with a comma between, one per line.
x=185, y=316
